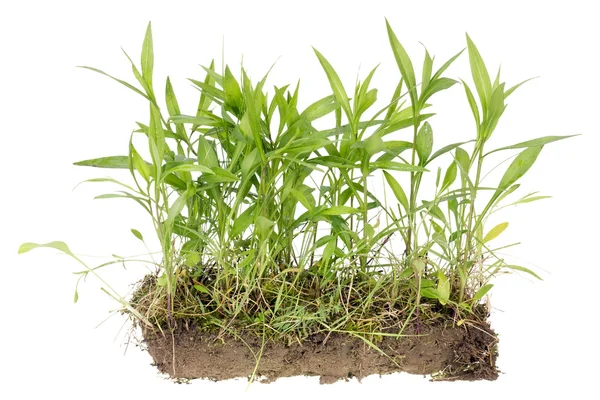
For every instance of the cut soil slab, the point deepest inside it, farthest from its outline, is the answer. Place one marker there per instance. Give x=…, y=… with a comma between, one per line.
x=467, y=352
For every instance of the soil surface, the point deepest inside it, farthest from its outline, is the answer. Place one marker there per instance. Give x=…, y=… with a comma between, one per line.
x=467, y=352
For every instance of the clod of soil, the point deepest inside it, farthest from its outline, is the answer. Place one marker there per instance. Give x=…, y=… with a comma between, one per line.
x=448, y=353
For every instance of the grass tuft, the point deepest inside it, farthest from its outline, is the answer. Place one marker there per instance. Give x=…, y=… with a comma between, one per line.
x=268, y=223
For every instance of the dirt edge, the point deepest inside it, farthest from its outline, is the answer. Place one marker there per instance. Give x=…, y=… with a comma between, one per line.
x=466, y=352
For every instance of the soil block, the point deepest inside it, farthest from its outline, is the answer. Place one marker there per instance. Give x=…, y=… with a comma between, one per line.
x=466, y=352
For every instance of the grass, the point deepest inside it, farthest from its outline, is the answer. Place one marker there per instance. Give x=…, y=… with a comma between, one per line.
x=269, y=224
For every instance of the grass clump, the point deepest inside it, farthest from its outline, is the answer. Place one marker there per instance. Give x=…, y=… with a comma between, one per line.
x=268, y=223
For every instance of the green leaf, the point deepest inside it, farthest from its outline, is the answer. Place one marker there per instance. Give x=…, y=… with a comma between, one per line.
x=523, y=269
x=395, y=98
x=336, y=85
x=263, y=224
x=531, y=199
x=404, y=63
x=233, y=93
x=366, y=102
x=62, y=246
x=148, y=56
x=519, y=167
x=156, y=137
x=449, y=176
x=192, y=258
x=472, y=104
x=339, y=210
x=397, y=190
x=329, y=250
x=480, y=74
x=137, y=234
x=320, y=108
x=446, y=65
x=298, y=195
x=374, y=144
x=512, y=89
x=220, y=175
x=250, y=162
x=445, y=150
x=531, y=143
x=201, y=289
x=171, y=99
x=396, y=166
x=495, y=110
x=456, y=234
x=436, y=86
x=443, y=288
x=482, y=292
x=495, y=232
x=463, y=160
x=243, y=221
x=176, y=208
x=120, y=162
x=206, y=153
x=140, y=165
x=441, y=292
x=126, y=84
x=424, y=142
x=198, y=121
x=426, y=73
x=175, y=166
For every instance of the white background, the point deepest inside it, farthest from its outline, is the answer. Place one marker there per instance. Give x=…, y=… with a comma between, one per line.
x=54, y=114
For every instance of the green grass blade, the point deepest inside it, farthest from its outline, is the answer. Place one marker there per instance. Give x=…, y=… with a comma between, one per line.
x=397, y=190
x=339, y=210
x=519, y=167
x=336, y=85
x=512, y=89
x=447, y=64
x=426, y=73
x=531, y=143
x=62, y=246
x=424, y=143
x=445, y=150
x=495, y=232
x=523, y=269
x=482, y=292
x=472, y=104
x=148, y=56
x=404, y=63
x=119, y=162
x=396, y=166
x=481, y=77
x=122, y=82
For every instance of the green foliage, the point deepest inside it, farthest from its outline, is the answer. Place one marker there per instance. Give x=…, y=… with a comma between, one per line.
x=263, y=216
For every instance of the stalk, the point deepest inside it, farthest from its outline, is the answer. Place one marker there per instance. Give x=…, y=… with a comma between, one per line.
x=467, y=251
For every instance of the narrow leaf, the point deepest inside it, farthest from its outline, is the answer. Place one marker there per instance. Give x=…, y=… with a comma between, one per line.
x=148, y=56
x=532, y=143
x=339, y=210
x=482, y=292
x=121, y=162
x=480, y=74
x=523, y=269
x=404, y=63
x=495, y=232
x=424, y=142
x=62, y=246
x=336, y=84
x=397, y=190
x=137, y=234
x=519, y=167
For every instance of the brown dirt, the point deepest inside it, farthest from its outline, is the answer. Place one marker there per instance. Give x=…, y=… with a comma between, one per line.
x=467, y=352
